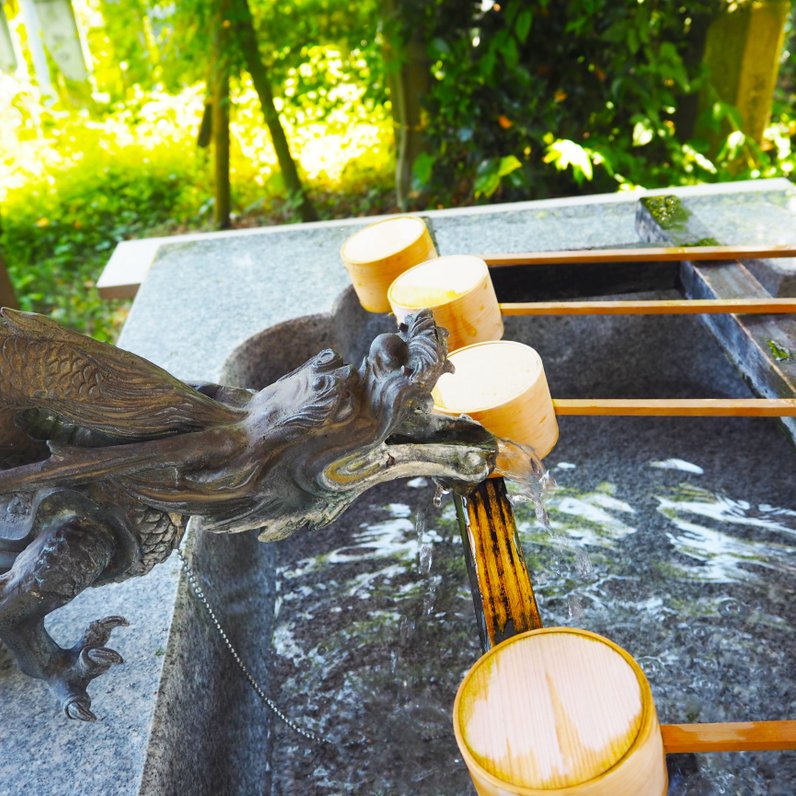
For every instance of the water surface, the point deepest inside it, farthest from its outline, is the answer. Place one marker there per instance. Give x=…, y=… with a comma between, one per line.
x=375, y=630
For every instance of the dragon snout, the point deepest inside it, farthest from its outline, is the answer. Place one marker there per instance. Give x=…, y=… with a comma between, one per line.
x=458, y=451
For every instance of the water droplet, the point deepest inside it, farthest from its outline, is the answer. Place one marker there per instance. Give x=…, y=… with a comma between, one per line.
x=406, y=630
x=425, y=556
x=531, y=481
x=574, y=607
x=730, y=607
x=583, y=565
x=439, y=493
x=652, y=667
x=421, y=521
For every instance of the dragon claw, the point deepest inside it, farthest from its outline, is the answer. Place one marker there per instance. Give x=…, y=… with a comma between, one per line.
x=104, y=655
x=99, y=632
x=78, y=708
x=88, y=659
x=93, y=661
x=114, y=621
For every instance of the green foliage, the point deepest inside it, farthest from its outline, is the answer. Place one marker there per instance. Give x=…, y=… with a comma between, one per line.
x=72, y=185
x=491, y=172
x=72, y=192
x=290, y=35
x=564, y=154
x=121, y=43
x=586, y=95
x=527, y=100
x=56, y=245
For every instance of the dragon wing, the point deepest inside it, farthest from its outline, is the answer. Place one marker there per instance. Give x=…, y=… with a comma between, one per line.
x=95, y=386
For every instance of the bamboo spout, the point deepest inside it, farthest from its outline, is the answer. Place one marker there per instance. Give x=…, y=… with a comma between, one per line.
x=502, y=592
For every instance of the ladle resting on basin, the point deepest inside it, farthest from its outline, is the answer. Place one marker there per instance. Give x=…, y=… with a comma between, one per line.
x=103, y=456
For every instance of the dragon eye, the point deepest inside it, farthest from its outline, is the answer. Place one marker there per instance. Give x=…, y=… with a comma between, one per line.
x=327, y=357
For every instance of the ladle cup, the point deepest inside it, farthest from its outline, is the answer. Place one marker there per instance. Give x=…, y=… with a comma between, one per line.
x=459, y=292
x=375, y=255
x=559, y=712
x=502, y=385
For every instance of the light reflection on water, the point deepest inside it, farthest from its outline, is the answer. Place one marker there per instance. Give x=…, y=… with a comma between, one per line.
x=375, y=627
x=756, y=539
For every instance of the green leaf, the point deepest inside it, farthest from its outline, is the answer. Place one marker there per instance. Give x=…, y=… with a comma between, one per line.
x=632, y=41
x=643, y=132
x=491, y=172
x=511, y=54
x=487, y=177
x=564, y=153
x=439, y=47
x=522, y=27
x=508, y=164
x=487, y=65
x=423, y=167
x=733, y=146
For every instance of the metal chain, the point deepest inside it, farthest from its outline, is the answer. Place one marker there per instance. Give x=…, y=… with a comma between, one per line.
x=267, y=701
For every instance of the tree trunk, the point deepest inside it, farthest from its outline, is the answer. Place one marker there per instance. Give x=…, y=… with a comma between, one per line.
x=220, y=117
x=742, y=54
x=7, y=296
x=247, y=39
x=693, y=54
x=408, y=77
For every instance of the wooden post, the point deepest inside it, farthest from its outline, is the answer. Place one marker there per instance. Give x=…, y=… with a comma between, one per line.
x=502, y=592
x=220, y=118
x=38, y=56
x=742, y=54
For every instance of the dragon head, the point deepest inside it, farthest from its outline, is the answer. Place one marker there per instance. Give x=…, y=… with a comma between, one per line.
x=322, y=435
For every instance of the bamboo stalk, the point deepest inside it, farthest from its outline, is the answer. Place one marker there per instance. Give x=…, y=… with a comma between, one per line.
x=664, y=307
x=677, y=407
x=741, y=736
x=640, y=255
x=502, y=592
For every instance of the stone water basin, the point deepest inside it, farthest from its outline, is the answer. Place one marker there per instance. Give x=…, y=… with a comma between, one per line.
x=675, y=537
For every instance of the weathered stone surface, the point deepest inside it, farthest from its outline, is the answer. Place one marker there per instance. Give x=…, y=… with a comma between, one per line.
x=762, y=348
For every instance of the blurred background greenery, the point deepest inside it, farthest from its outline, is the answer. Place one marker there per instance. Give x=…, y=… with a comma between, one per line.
x=385, y=105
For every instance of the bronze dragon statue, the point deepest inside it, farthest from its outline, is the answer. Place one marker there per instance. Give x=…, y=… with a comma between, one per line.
x=104, y=456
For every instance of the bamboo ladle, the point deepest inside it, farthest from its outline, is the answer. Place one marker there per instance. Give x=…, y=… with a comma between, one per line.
x=563, y=711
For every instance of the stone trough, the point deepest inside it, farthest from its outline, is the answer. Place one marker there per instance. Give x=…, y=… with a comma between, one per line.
x=672, y=536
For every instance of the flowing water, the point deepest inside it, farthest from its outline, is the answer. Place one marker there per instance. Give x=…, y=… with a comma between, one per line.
x=374, y=626
x=374, y=629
